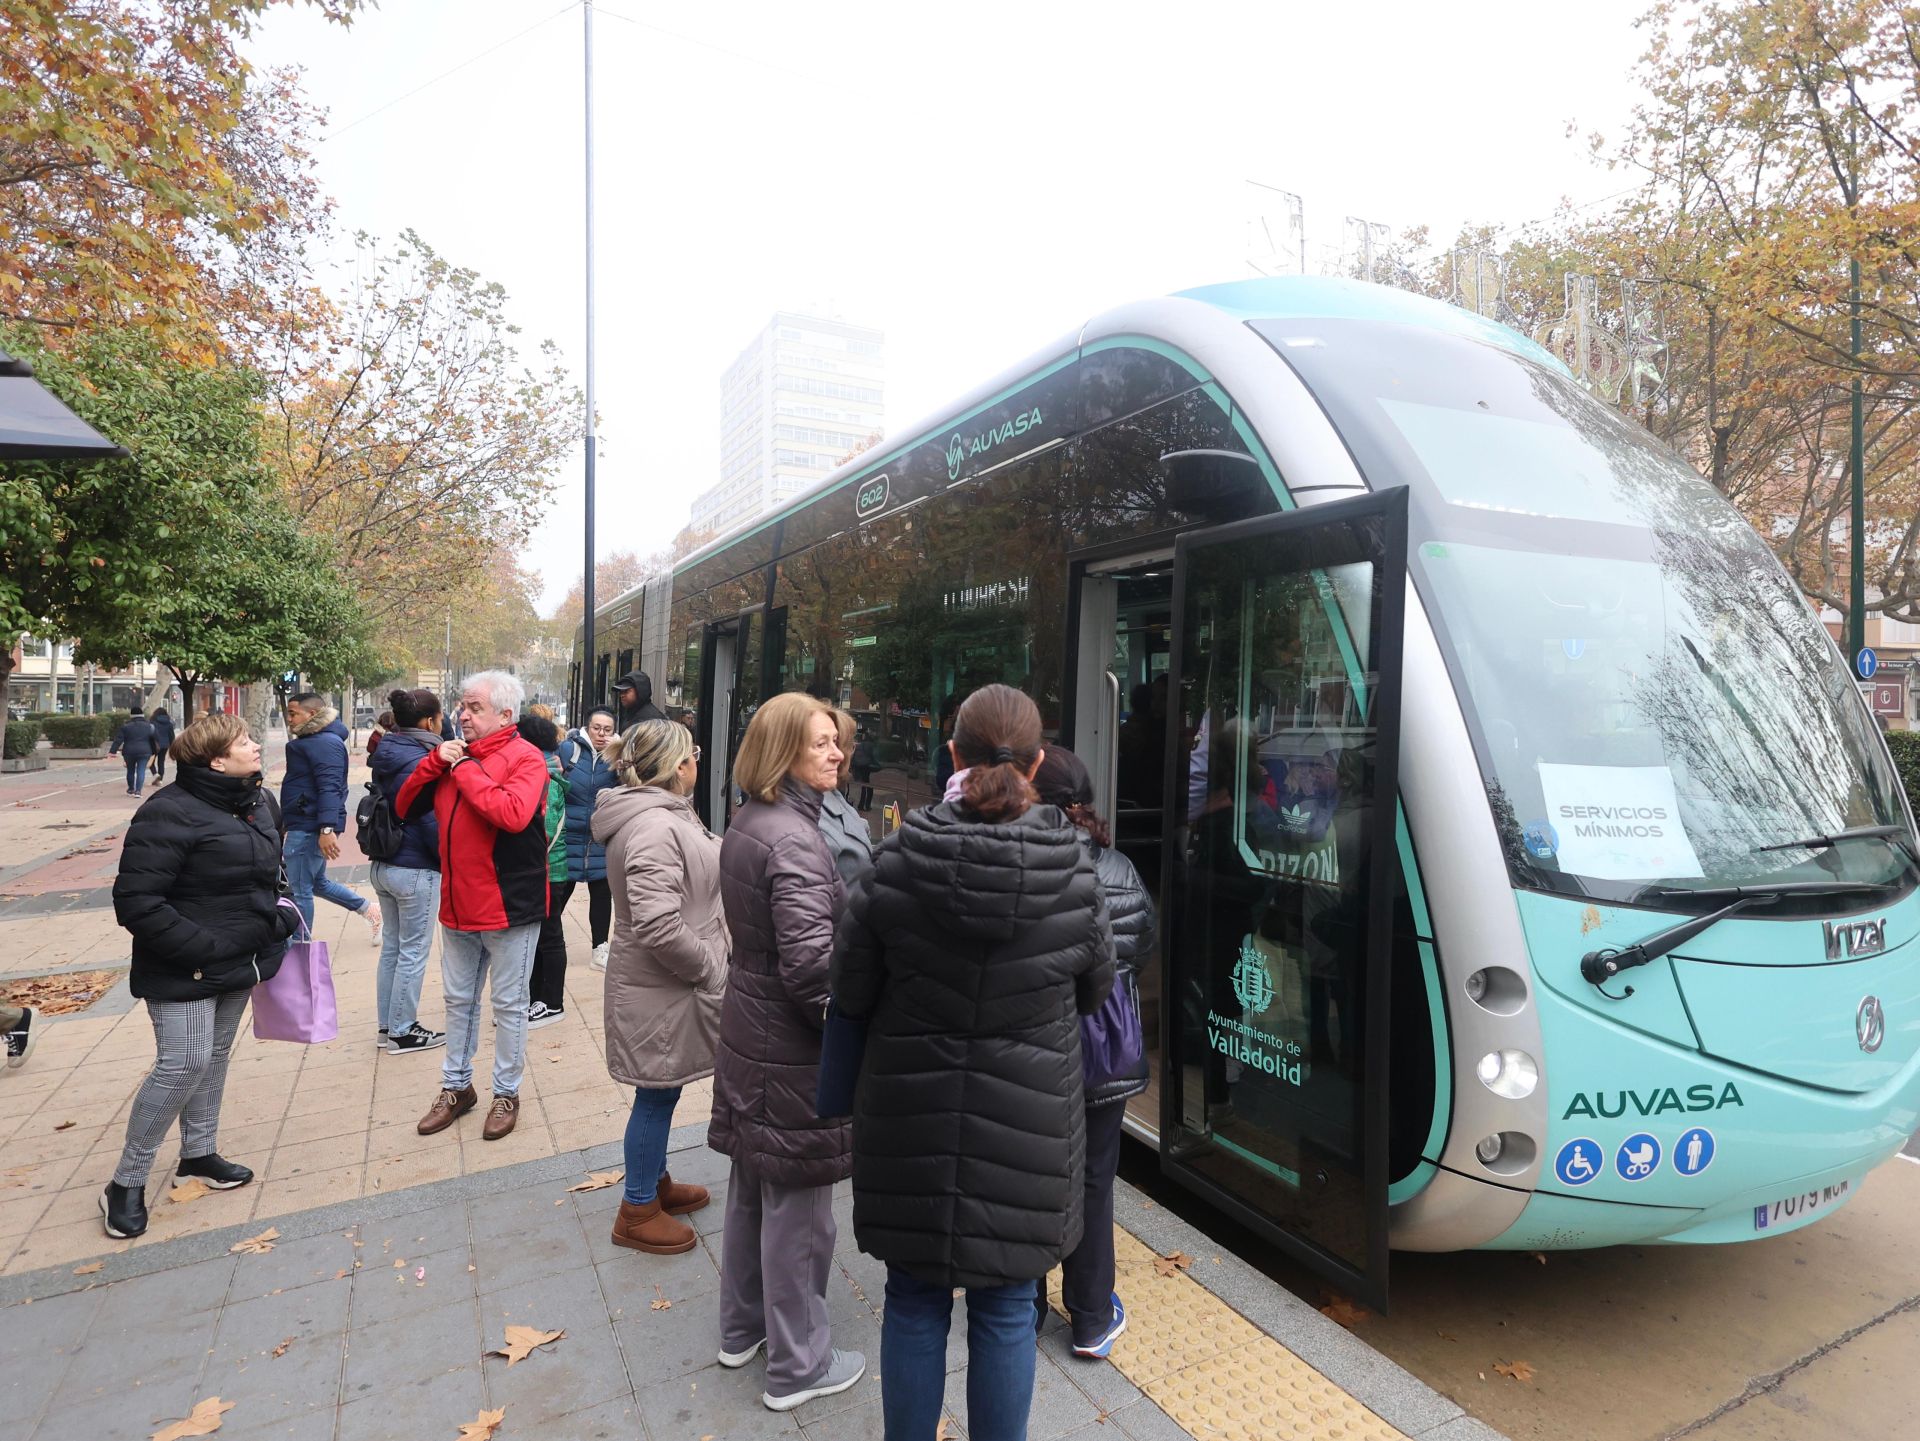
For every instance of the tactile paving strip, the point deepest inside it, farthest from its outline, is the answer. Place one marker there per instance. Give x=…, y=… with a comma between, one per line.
x=1213, y=1371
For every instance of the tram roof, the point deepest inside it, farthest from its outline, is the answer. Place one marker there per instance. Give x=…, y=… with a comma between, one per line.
x=1282, y=297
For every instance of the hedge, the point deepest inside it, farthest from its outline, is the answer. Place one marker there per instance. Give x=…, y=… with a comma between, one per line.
x=22, y=737
x=79, y=732
x=1905, y=746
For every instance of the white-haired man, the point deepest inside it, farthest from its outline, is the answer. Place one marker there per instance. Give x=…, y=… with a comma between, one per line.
x=489, y=791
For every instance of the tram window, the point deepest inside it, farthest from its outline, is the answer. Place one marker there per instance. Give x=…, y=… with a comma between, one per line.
x=1121, y=381
x=1117, y=487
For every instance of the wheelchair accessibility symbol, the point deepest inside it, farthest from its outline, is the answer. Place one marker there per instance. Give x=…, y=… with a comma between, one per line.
x=1578, y=1162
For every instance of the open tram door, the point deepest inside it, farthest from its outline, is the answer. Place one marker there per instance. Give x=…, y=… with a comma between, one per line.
x=1278, y=881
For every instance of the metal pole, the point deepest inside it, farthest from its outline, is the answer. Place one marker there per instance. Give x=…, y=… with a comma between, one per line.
x=1857, y=599
x=586, y=589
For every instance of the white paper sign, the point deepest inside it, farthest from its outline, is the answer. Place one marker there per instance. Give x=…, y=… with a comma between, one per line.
x=1617, y=823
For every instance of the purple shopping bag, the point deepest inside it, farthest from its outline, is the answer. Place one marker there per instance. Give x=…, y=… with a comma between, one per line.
x=298, y=1004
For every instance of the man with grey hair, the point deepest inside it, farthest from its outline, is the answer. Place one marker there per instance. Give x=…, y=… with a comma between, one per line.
x=488, y=790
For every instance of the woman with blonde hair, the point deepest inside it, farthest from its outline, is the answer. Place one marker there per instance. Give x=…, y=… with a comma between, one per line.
x=782, y=897
x=666, y=965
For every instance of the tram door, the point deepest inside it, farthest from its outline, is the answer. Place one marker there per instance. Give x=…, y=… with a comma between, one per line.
x=1276, y=912
x=733, y=671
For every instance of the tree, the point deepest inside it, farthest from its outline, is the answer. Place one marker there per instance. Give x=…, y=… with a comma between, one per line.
x=614, y=575
x=141, y=159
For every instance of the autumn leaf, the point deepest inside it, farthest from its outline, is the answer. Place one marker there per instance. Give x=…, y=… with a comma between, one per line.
x=88, y=1270
x=481, y=1427
x=521, y=1341
x=256, y=1245
x=944, y=1432
x=281, y=1349
x=1343, y=1310
x=600, y=1180
x=191, y=1189
x=1518, y=1371
x=64, y=1126
x=1169, y=1264
x=660, y=1301
x=203, y=1420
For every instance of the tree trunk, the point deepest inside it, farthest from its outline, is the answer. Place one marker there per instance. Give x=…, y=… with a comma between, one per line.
x=257, y=707
x=6, y=670
x=157, y=693
x=186, y=698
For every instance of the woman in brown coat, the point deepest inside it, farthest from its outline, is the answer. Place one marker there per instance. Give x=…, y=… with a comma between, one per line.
x=666, y=965
x=782, y=896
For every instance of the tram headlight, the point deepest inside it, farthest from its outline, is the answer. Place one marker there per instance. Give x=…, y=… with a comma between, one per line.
x=1510, y=1074
x=1477, y=987
x=1488, y=1148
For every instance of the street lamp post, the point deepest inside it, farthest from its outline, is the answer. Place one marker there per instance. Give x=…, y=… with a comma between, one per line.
x=586, y=587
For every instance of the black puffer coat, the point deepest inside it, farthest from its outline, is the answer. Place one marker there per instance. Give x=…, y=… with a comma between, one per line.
x=1130, y=908
x=782, y=896
x=974, y=948
x=198, y=881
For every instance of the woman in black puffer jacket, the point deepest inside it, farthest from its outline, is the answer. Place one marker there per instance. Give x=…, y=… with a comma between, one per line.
x=974, y=948
x=198, y=887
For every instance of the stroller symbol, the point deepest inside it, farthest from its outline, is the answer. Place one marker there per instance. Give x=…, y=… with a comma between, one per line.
x=1639, y=1157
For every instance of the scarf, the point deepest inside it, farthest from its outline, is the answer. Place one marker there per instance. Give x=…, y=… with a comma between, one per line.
x=953, y=784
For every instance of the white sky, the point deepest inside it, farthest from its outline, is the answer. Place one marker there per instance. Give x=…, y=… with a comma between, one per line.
x=975, y=179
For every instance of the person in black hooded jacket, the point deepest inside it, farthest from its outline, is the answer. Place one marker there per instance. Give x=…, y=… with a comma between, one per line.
x=199, y=889
x=974, y=946
x=633, y=693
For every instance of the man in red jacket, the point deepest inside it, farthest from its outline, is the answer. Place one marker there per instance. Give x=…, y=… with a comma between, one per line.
x=489, y=791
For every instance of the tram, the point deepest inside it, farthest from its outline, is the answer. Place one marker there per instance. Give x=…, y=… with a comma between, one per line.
x=1531, y=873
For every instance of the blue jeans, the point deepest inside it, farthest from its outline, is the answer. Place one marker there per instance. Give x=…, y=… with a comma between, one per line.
x=409, y=900
x=136, y=771
x=913, y=1358
x=647, y=1127
x=465, y=957
x=307, y=874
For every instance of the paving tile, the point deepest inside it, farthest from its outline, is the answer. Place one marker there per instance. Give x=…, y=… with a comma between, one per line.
x=710, y=1220
x=270, y=1388
x=291, y=1264
x=549, y=1302
x=629, y=1275
x=541, y=1250
x=130, y=1412
x=313, y=1424
x=249, y=1330
x=713, y=1402
x=112, y=1359
x=161, y=1296
x=1144, y=1421
x=863, y=1422
x=433, y=1228
x=411, y=1351
x=582, y=1369
x=616, y=1420
x=432, y=1408
x=1099, y=1381
x=55, y=1324
x=512, y=1215
x=386, y=1293
x=661, y=1345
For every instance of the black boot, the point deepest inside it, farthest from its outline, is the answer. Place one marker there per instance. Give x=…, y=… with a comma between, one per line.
x=216, y=1171
x=125, y=1210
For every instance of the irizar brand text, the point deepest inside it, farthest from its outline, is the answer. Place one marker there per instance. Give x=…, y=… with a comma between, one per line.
x=1658, y=1101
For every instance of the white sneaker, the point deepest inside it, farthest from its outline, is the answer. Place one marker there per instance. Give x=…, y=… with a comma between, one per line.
x=844, y=1368
x=600, y=956
x=734, y=1360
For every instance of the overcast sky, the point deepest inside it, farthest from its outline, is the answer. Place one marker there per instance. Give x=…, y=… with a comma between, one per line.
x=974, y=179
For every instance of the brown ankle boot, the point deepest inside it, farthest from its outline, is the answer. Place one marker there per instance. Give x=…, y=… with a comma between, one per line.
x=677, y=1198
x=648, y=1228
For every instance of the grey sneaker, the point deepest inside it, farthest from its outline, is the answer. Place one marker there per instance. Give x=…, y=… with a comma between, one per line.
x=844, y=1368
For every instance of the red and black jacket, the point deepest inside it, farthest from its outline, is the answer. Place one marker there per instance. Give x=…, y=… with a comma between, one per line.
x=493, y=837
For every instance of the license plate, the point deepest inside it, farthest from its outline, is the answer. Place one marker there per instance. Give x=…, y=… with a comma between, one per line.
x=1798, y=1208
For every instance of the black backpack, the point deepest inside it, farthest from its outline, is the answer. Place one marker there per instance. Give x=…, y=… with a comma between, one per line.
x=376, y=826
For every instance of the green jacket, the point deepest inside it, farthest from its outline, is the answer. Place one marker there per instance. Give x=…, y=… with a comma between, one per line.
x=556, y=820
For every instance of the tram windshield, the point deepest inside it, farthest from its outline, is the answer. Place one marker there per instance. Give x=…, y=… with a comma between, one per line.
x=1651, y=698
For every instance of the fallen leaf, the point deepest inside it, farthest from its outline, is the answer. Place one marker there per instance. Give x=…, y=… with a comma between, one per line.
x=88, y=1270
x=600, y=1180
x=553, y=1060
x=1343, y=1310
x=281, y=1349
x=660, y=1301
x=521, y=1341
x=203, y=1420
x=471, y=1266
x=943, y=1431
x=191, y=1189
x=257, y=1245
x=397, y=1265
x=1518, y=1371
x=1540, y=1256
x=341, y=1274
x=64, y=1126
x=481, y=1426
x=1176, y=1261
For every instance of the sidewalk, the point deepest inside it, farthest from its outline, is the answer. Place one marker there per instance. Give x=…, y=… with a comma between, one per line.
x=371, y=1320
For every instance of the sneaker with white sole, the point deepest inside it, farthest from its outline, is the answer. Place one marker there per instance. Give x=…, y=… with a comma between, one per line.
x=370, y=913
x=20, y=1040
x=844, y=1368
x=734, y=1360
x=541, y=1014
x=415, y=1038
x=1102, y=1345
x=599, y=962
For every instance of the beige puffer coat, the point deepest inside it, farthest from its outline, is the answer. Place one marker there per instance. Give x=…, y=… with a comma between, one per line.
x=667, y=961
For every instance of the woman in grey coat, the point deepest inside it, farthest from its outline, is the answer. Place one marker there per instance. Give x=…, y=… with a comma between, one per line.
x=848, y=837
x=666, y=965
x=782, y=897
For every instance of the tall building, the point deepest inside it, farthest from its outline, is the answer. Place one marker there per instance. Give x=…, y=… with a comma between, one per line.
x=803, y=395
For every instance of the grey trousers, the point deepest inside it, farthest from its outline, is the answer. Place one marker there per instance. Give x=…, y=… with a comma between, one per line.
x=193, y=1040
x=776, y=1256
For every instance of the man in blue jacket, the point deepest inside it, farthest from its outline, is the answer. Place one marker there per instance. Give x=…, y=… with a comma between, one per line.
x=313, y=807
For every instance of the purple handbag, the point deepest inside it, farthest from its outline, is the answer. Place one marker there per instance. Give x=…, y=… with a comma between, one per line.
x=1111, y=1046
x=297, y=1003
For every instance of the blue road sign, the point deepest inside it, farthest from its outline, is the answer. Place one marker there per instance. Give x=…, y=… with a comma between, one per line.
x=1693, y=1152
x=1578, y=1161
x=1866, y=662
x=1638, y=1157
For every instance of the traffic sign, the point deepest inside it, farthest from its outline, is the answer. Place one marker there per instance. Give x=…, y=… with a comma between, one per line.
x=1866, y=662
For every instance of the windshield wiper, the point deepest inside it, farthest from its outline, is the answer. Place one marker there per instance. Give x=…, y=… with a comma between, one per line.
x=1601, y=966
x=1856, y=833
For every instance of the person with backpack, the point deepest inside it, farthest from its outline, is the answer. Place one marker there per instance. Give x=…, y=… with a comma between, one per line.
x=588, y=774
x=547, y=986
x=406, y=871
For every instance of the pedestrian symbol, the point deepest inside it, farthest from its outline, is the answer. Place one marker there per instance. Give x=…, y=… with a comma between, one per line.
x=1866, y=662
x=1578, y=1162
x=1693, y=1152
x=1638, y=1157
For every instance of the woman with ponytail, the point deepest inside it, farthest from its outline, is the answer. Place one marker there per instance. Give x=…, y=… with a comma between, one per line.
x=666, y=965
x=973, y=948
